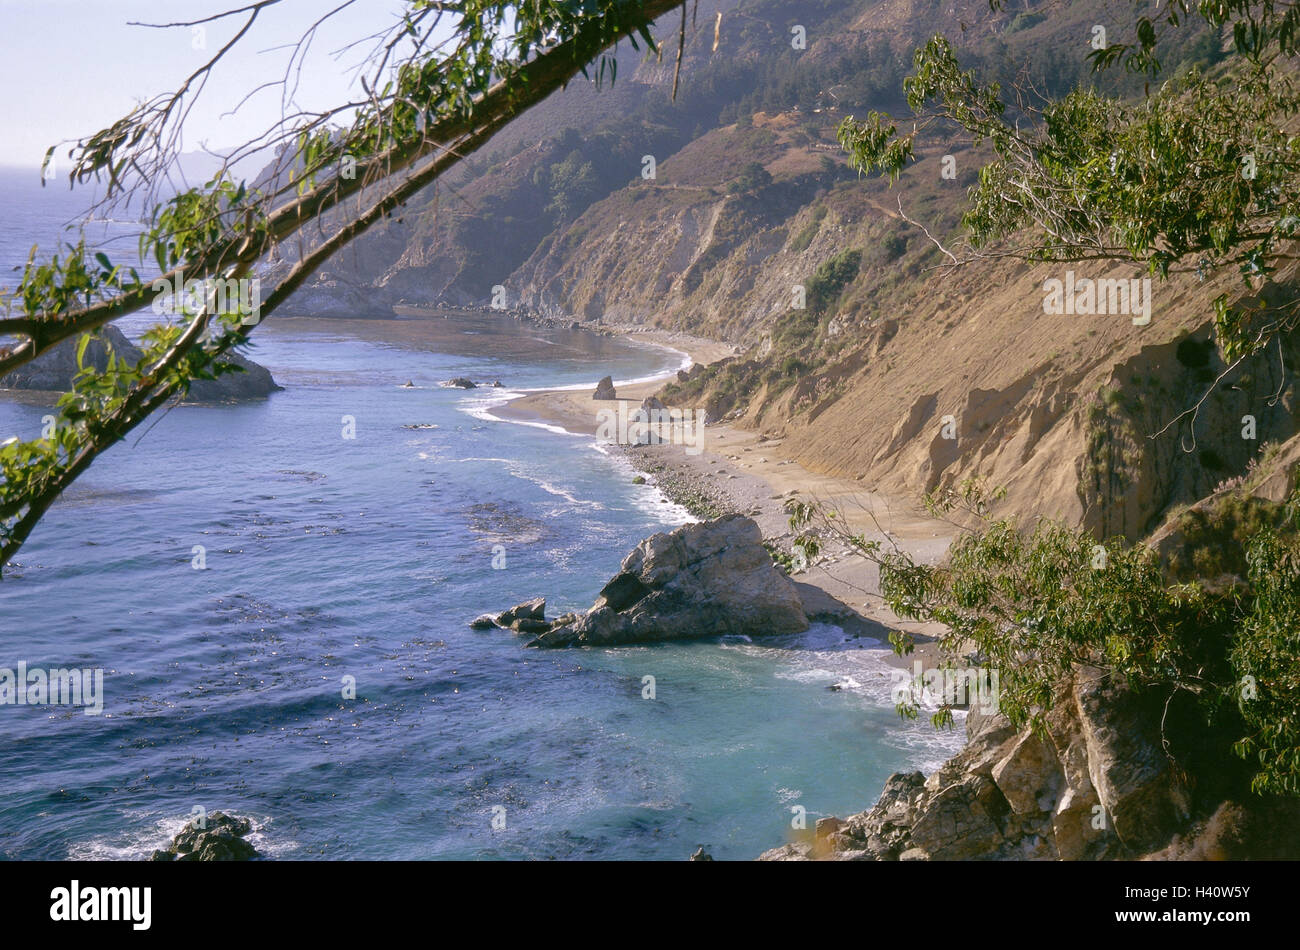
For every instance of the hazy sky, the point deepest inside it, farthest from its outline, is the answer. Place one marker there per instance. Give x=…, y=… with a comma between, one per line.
x=71, y=67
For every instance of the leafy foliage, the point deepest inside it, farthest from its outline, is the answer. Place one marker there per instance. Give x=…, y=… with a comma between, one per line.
x=1035, y=606
x=1266, y=658
x=1198, y=175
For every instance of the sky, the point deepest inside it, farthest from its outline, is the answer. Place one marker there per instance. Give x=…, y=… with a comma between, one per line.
x=71, y=67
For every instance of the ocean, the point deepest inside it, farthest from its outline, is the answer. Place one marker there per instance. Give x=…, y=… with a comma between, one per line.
x=328, y=560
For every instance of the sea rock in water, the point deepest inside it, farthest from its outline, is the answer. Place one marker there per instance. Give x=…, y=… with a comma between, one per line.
x=254, y=382
x=605, y=389
x=483, y=622
x=54, y=371
x=701, y=855
x=528, y=625
x=534, y=609
x=700, y=580
x=220, y=839
x=460, y=382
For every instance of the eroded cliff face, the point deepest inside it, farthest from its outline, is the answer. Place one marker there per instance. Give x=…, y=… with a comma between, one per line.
x=916, y=375
x=691, y=249
x=1087, y=419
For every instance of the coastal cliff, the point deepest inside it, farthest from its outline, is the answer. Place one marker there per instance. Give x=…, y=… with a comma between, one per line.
x=731, y=212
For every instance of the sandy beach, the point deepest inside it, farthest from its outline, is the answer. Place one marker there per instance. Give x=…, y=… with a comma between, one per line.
x=732, y=469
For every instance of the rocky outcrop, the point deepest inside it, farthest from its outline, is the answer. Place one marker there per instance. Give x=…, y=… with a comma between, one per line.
x=528, y=617
x=1097, y=785
x=217, y=837
x=534, y=609
x=460, y=382
x=699, y=580
x=54, y=371
x=605, y=389
x=250, y=381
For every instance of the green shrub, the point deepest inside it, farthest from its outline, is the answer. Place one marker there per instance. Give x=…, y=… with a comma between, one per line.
x=830, y=279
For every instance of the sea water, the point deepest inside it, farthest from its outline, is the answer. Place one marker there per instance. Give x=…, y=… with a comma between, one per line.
x=329, y=561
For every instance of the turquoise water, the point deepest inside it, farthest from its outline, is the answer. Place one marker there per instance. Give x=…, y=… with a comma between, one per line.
x=329, y=557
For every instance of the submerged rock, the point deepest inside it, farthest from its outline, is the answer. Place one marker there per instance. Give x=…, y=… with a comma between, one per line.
x=605, y=389
x=700, y=580
x=460, y=382
x=220, y=839
x=54, y=371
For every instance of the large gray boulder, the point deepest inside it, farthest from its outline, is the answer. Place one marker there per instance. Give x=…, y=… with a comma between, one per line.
x=54, y=371
x=605, y=389
x=700, y=580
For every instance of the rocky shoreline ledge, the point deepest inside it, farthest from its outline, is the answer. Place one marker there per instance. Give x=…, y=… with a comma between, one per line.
x=1098, y=785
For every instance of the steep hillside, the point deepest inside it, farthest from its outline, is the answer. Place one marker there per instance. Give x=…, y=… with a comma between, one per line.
x=884, y=372
x=860, y=344
x=697, y=248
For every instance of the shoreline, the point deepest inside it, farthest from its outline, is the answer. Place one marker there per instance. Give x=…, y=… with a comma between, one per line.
x=737, y=470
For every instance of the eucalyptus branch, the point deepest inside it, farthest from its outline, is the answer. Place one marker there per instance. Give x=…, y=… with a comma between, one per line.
x=507, y=98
